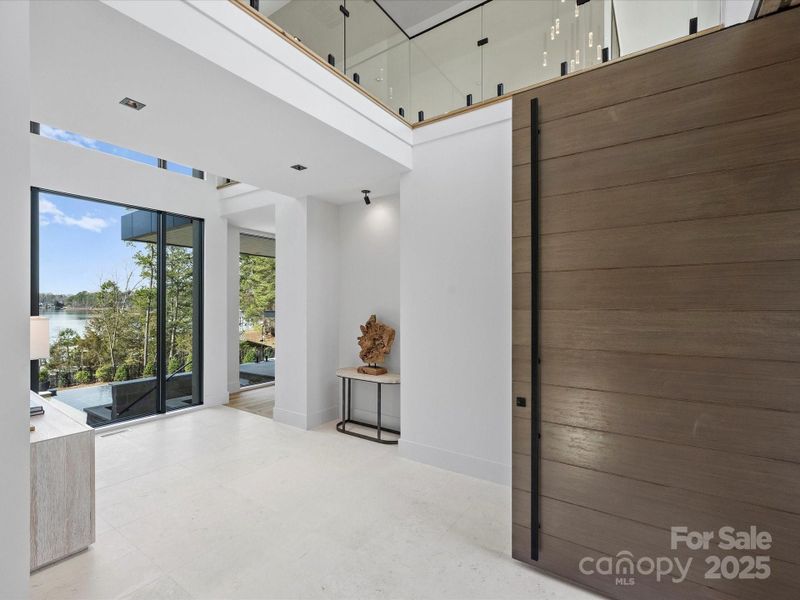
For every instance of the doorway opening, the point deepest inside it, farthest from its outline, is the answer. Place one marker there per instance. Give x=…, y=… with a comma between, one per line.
x=257, y=340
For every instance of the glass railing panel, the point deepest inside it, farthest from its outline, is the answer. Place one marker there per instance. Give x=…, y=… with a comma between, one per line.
x=582, y=37
x=446, y=66
x=519, y=48
x=386, y=76
x=376, y=52
x=318, y=24
x=525, y=42
x=641, y=25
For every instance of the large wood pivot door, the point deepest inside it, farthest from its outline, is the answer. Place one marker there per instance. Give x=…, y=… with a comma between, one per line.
x=656, y=273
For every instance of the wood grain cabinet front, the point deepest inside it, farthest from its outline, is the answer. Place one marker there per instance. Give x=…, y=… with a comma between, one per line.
x=62, y=487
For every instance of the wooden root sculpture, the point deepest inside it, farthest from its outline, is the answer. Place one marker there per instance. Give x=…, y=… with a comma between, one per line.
x=376, y=342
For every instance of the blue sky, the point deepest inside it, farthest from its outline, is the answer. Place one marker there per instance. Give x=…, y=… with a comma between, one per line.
x=80, y=245
x=86, y=142
x=79, y=240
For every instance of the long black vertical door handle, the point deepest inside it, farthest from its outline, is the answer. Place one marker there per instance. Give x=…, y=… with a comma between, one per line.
x=535, y=358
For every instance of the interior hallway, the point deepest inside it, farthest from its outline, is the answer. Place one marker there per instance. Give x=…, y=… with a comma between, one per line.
x=221, y=503
x=259, y=401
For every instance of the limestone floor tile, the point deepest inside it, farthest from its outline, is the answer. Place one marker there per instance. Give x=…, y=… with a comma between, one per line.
x=134, y=498
x=206, y=525
x=163, y=588
x=110, y=567
x=224, y=504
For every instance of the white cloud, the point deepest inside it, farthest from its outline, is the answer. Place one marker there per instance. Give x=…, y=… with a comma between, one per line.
x=56, y=215
x=67, y=136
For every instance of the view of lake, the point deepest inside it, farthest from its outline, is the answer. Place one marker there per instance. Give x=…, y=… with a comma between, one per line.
x=66, y=319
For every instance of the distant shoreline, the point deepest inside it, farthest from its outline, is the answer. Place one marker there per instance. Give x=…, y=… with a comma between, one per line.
x=70, y=309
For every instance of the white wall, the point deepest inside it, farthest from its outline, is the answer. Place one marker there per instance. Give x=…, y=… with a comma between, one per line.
x=455, y=299
x=15, y=299
x=306, y=311
x=62, y=167
x=737, y=11
x=370, y=284
x=232, y=258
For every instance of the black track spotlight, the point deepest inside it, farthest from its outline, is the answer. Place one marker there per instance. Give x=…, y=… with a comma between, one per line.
x=366, y=197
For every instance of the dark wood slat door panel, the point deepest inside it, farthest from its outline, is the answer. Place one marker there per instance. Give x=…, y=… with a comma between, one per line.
x=659, y=505
x=723, y=53
x=521, y=363
x=754, y=189
x=759, y=481
x=748, y=238
x=772, y=385
x=608, y=533
x=562, y=558
x=771, y=434
x=714, y=102
x=711, y=103
x=729, y=146
x=669, y=309
x=764, y=335
x=754, y=286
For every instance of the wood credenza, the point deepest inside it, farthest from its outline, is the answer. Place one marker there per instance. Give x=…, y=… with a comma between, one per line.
x=62, y=486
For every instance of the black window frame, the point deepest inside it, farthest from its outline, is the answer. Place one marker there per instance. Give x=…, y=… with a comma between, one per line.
x=198, y=287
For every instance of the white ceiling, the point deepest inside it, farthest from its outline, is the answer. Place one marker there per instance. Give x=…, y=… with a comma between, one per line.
x=85, y=57
x=255, y=219
x=415, y=16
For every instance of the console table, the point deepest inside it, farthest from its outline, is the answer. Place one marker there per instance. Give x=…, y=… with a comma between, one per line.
x=347, y=376
x=62, y=485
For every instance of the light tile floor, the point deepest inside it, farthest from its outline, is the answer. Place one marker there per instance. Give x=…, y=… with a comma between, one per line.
x=222, y=503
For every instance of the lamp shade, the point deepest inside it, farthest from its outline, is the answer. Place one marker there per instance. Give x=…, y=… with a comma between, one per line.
x=40, y=338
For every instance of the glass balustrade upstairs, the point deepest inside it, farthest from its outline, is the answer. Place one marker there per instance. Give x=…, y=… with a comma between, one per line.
x=498, y=47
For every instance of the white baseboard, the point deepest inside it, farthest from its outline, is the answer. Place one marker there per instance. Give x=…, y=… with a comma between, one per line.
x=303, y=421
x=323, y=416
x=453, y=461
x=288, y=417
x=371, y=416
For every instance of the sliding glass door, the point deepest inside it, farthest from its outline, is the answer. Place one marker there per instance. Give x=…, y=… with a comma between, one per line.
x=122, y=289
x=182, y=312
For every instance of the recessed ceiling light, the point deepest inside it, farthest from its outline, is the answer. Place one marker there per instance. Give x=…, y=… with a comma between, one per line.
x=299, y=167
x=131, y=103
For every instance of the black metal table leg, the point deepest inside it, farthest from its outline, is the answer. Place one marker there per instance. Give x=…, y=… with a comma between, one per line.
x=379, y=411
x=344, y=415
x=349, y=399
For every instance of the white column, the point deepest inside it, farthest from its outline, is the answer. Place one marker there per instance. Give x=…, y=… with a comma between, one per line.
x=290, y=312
x=307, y=311
x=14, y=301
x=323, y=311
